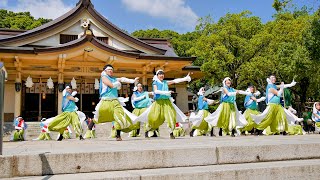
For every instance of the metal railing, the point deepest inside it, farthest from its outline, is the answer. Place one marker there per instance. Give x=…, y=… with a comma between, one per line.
x=3, y=78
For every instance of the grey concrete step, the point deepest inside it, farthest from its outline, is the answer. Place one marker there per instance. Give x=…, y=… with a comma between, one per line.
x=35, y=158
x=289, y=170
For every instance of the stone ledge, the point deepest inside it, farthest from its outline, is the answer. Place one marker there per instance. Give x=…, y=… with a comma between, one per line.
x=49, y=164
x=289, y=170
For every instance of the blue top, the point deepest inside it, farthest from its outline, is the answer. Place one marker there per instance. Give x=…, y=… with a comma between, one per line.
x=162, y=87
x=272, y=98
x=202, y=104
x=106, y=91
x=226, y=98
x=68, y=105
x=317, y=119
x=143, y=103
x=249, y=103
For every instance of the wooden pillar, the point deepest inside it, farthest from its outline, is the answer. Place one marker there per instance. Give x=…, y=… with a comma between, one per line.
x=60, y=81
x=61, y=66
x=17, y=97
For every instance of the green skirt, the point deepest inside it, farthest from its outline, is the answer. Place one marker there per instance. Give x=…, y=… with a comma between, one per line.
x=66, y=134
x=204, y=127
x=251, y=124
x=44, y=136
x=275, y=118
x=227, y=117
x=111, y=110
x=63, y=120
x=161, y=110
x=136, y=126
x=18, y=135
x=90, y=134
x=294, y=129
x=317, y=124
x=178, y=132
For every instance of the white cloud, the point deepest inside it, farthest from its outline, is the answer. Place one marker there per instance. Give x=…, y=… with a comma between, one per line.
x=176, y=11
x=50, y=9
x=3, y=3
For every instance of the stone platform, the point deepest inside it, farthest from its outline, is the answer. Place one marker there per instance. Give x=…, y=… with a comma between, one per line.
x=244, y=157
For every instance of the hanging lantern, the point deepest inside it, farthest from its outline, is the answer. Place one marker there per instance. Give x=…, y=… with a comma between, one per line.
x=29, y=82
x=50, y=83
x=96, y=84
x=73, y=83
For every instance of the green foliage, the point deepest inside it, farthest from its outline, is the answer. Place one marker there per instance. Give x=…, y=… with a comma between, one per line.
x=228, y=44
x=280, y=5
x=242, y=47
x=20, y=20
x=180, y=42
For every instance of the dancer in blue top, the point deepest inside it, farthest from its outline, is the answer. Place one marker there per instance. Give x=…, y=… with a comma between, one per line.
x=274, y=115
x=197, y=120
x=316, y=114
x=68, y=116
x=109, y=108
x=140, y=102
x=162, y=109
x=227, y=117
x=251, y=104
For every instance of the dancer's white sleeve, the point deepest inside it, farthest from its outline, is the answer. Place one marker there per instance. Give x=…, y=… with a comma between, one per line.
x=257, y=93
x=232, y=93
x=280, y=92
x=74, y=93
x=261, y=99
x=138, y=98
x=293, y=83
x=210, y=101
x=127, y=80
x=168, y=93
x=116, y=84
x=179, y=80
x=244, y=92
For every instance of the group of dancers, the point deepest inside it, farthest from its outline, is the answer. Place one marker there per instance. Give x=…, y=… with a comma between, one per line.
x=153, y=112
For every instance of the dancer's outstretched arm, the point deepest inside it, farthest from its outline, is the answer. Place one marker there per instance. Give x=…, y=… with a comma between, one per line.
x=127, y=80
x=179, y=80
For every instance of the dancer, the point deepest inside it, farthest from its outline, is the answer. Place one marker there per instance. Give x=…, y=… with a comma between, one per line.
x=20, y=129
x=162, y=109
x=109, y=108
x=251, y=105
x=316, y=115
x=179, y=131
x=90, y=127
x=68, y=116
x=199, y=125
x=227, y=117
x=44, y=135
x=140, y=101
x=274, y=115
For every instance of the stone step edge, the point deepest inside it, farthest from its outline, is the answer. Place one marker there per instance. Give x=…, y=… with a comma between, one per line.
x=296, y=169
x=49, y=163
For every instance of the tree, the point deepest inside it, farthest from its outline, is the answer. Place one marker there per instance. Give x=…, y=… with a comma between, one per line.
x=180, y=42
x=20, y=20
x=287, y=55
x=226, y=45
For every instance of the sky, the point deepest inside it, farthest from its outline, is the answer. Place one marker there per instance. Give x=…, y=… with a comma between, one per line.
x=177, y=15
